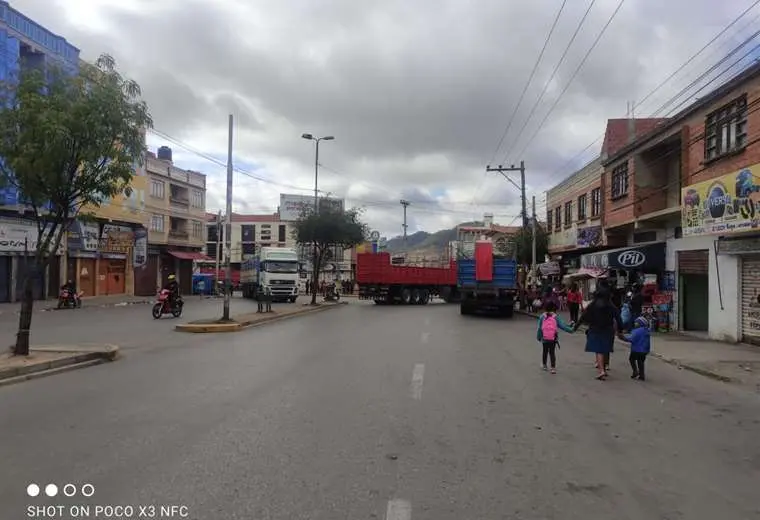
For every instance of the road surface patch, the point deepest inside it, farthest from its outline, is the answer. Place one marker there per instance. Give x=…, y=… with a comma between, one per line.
x=418, y=375
x=399, y=510
x=245, y=321
x=47, y=360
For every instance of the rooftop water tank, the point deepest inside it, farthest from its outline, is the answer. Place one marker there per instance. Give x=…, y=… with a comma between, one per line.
x=165, y=153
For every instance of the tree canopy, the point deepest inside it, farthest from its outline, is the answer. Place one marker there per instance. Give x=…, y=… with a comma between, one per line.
x=328, y=228
x=524, y=244
x=68, y=142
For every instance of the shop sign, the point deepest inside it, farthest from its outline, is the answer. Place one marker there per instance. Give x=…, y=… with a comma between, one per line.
x=739, y=247
x=725, y=205
x=589, y=236
x=22, y=237
x=650, y=257
x=83, y=236
x=116, y=239
x=549, y=268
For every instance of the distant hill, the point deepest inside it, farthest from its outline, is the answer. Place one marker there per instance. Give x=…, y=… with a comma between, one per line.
x=422, y=240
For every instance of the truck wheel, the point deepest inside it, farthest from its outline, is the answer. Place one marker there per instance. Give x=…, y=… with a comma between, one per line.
x=416, y=297
x=406, y=296
x=424, y=297
x=507, y=312
x=464, y=309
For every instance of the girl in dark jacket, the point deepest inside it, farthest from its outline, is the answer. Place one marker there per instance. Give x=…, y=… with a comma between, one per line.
x=602, y=318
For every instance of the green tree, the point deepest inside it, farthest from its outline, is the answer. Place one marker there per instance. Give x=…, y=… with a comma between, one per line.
x=68, y=142
x=330, y=227
x=524, y=244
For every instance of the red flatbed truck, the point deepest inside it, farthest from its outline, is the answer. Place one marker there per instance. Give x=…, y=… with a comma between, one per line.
x=386, y=284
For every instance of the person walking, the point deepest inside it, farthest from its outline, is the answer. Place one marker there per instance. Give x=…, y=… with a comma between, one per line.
x=548, y=324
x=574, y=301
x=641, y=345
x=602, y=317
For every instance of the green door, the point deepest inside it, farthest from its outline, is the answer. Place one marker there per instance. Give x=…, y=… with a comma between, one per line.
x=695, y=294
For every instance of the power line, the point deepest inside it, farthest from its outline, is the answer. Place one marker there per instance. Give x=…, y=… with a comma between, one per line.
x=572, y=78
x=548, y=82
x=665, y=81
x=527, y=83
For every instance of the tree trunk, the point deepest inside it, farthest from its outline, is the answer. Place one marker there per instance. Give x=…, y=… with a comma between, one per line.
x=25, y=317
x=314, y=276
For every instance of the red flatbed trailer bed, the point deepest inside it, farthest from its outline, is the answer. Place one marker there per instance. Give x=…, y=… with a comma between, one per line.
x=385, y=283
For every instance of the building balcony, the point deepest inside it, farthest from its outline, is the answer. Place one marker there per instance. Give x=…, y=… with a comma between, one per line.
x=178, y=234
x=658, y=180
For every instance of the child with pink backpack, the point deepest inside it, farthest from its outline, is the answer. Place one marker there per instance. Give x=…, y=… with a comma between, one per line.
x=548, y=325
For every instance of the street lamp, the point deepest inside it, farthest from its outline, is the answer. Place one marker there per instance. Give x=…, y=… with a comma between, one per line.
x=317, y=140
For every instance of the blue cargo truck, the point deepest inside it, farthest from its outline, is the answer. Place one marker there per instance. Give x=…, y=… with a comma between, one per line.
x=497, y=295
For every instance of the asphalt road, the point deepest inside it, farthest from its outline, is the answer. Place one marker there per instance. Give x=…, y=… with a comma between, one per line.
x=382, y=412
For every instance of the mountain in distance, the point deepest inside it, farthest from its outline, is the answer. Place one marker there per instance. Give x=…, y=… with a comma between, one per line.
x=422, y=240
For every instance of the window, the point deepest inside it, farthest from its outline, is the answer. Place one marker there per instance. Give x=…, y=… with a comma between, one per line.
x=157, y=189
x=157, y=223
x=726, y=129
x=620, y=180
x=281, y=235
x=582, y=207
x=558, y=218
x=197, y=229
x=568, y=213
x=596, y=202
x=549, y=215
x=211, y=250
x=197, y=200
x=213, y=231
x=249, y=248
x=248, y=233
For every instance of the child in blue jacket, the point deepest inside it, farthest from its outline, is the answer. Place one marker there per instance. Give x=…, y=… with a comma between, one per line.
x=548, y=324
x=641, y=344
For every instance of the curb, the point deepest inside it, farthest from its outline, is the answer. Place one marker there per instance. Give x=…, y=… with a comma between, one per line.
x=676, y=363
x=80, y=360
x=212, y=328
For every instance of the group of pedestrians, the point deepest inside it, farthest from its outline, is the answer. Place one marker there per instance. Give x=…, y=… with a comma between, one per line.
x=604, y=324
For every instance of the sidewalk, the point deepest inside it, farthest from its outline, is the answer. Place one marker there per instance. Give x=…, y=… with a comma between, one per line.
x=47, y=360
x=729, y=362
x=116, y=300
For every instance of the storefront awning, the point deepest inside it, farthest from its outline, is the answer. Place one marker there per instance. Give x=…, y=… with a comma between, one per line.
x=584, y=273
x=190, y=255
x=645, y=257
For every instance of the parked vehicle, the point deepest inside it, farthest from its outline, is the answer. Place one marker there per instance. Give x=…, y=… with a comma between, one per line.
x=163, y=306
x=487, y=282
x=389, y=283
x=68, y=299
x=273, y=270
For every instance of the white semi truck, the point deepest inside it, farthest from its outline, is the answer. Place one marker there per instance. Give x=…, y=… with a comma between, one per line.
x=273, y=270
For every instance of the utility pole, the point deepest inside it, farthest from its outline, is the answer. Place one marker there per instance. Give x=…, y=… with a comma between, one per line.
x=228, y=230
x=533, y=221
x=503, y=171
x=405, y=204
x=218, y=246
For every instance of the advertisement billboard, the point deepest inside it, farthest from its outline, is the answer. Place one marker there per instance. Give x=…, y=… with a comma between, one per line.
x=292, y=206
x=725, y=205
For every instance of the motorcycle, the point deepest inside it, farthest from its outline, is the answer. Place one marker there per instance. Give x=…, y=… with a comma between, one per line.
x=68, y=299
x=331, y=294
x=162, y=305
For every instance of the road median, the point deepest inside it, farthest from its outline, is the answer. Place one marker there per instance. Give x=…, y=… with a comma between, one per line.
x=46, y=360
x=255, y=319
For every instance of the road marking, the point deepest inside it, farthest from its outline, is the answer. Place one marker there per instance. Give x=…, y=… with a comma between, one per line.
x=399, y=510
x=417, y=376
x=425, y=337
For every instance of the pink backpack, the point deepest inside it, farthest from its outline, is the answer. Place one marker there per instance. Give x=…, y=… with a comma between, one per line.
x=549, y=327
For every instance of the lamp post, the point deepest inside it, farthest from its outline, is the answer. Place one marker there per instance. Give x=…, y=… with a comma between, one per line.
x=316, y=140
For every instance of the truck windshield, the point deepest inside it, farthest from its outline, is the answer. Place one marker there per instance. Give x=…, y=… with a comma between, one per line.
x=280, y=267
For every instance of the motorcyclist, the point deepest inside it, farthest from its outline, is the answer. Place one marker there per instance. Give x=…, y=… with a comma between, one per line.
x=71, y=287
x=173, y=287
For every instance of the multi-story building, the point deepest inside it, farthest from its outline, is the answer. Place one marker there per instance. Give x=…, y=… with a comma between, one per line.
x=689, y=189
x=176, y=205
x=25, y=43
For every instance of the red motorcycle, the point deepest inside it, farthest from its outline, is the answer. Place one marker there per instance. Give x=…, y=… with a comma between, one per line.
x=68, y=299
x=163, y=306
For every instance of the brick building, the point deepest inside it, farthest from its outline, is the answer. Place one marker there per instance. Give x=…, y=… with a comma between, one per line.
x=688, y=191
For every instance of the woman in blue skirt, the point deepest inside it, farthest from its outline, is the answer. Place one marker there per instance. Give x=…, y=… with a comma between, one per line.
x=602, y=317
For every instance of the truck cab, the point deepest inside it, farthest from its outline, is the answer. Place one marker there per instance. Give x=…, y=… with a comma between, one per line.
x=274, y=270
x=487, y=282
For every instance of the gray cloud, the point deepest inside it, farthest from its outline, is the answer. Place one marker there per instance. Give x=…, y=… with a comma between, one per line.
x=417, y=93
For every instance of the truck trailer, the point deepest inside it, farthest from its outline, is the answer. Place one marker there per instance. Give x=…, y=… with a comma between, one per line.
x=385, y=283
x=487, y=282
x=273, y=270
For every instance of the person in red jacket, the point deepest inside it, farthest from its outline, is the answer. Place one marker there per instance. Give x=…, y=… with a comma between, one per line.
x=574, y=301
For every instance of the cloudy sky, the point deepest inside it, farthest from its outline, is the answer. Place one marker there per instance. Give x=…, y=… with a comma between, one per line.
x=417, y=93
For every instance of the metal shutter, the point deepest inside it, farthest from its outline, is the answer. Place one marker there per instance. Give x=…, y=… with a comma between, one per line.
x=694, y=262
x=750, y=306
